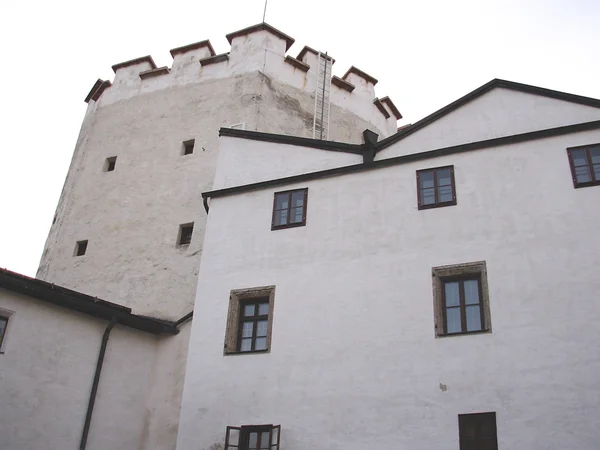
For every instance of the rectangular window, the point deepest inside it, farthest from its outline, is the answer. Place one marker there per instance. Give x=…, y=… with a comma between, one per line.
x=81, y=248
x=585, y=165
x=185, y=234
x=3, y=326
x=188, y=147
x=250, y=320
x=110, y=163
x=253, y=437
x=289, y=209
x=461, y=299
x=435, y=187
x=478, y=431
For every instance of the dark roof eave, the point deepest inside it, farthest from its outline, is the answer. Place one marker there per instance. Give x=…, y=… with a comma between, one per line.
x=82, y=303
x=338, y=171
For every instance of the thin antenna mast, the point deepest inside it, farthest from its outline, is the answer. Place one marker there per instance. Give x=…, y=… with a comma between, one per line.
x=265, y=11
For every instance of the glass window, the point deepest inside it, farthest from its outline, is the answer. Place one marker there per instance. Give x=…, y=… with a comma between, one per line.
x=289, y=209
x=436, y=187
x=462, y=306
x=253, y=437
x=254, y=324
x=585, y=165
x=478, y=431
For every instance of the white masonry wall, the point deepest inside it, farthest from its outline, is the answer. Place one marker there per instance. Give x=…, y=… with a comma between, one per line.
x=354, y=361
x=46, y=376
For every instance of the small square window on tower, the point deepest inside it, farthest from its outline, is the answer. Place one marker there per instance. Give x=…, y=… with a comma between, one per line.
x=81, y=248
x=110, y=163
x=188, y=147
x=185, y=234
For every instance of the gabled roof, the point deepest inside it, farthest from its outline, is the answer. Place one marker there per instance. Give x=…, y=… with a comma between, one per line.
x=262, y=27
x=86, y=304
x=495, y=83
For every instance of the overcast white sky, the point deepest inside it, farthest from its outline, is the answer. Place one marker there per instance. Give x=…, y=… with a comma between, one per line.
x=425, y=54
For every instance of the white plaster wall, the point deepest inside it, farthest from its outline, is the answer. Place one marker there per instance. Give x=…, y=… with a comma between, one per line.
x=497, y=113
x=47, y=372
x=354, y=362
x=243, y=161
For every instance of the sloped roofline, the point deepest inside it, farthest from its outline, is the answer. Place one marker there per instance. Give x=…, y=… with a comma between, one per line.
x=495, y=83
x=83, y=303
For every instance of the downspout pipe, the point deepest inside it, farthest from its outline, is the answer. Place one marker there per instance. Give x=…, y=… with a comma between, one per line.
x=90, y=408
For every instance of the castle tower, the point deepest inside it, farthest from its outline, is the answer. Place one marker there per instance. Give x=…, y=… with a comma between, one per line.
x=147, y=149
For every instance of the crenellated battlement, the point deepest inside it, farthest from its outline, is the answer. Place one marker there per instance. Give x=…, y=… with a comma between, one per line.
x=260, y=48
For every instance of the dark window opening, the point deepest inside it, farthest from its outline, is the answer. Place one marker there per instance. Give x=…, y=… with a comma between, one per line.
x=110, y=164
x=289, y=209
x=478, y=431
x=463, y=308
x=253, y=326
x=185, y=234
x=81, y=248
x=436, y=187
x=253, y=437
x=188, y=147
x=3, y=326
x=585, y=165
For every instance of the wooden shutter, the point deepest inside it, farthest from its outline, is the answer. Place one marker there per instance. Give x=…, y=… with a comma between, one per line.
x=232, y=438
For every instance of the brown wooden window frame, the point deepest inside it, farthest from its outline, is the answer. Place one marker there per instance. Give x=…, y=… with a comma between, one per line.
x=436, y=204
x=460, y=272
x=239, y=298
x=470, y=441
x=254, y=320
x=289, y=224
x=594, y=180
x=243, y=437
x=184, y=237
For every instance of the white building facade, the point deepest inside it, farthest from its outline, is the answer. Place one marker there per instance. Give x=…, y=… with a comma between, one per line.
x=433, y=290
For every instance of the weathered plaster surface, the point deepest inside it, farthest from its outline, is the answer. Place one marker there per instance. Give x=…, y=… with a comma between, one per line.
x=497, y=113
x=354, y=361
x=47, y=373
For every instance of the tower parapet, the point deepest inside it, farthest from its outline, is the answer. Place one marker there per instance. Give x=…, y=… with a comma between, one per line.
x=259, y=48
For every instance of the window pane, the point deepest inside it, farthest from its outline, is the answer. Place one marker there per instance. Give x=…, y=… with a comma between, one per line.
x=443, y=177
x=281, y=217
x=296, y=215
x=247, y=329
x=428, y=196
x=261, y=343
x=473, y=318
x=248, y=310
x=281, y=201
x=579, y=157
x=261, y=328
x=274, y=435
x=246, y=345
x=445, y=194
x=452, y=293
x=3, y=323
x=263, y=309
x=426, y=179
x=597, y=171
x=595, y=154
x=297, y=199
x=471, y=292
x=468, y=426
x=253, y=441
x=264, y=440
x=234, y=436
x=453, y=320
x=582, y=174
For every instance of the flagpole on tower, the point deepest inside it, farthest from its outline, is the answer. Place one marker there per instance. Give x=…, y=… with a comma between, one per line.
x=265, y=11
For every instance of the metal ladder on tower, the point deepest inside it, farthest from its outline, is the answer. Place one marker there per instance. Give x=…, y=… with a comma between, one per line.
x=322, y=98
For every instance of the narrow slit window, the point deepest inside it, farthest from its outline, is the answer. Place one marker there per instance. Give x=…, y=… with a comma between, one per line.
x=188, y=147
x=289, y=209
x=110, y=164
x=81, y=248
x=185, y=234
x=585, y=165
x=436, y=187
